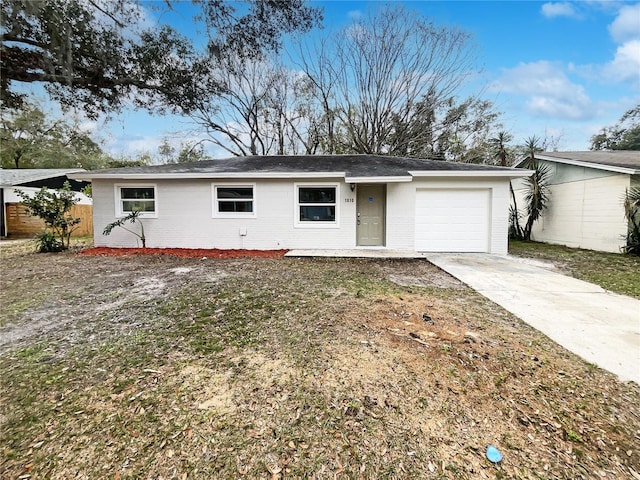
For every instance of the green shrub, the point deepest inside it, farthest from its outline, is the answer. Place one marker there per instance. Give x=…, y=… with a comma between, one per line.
x=47, y=242
x=53, y=207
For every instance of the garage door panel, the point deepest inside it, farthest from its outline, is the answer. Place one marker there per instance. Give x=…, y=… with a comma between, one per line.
x=453, y=220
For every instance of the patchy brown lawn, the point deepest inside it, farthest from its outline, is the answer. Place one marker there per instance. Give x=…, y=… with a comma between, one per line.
x=185, y=252
x=612, y=271
x=166, y=367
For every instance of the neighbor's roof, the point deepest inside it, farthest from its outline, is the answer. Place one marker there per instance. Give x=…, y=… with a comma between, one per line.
x=19, y=176
x=353, y=168
x=622, y=161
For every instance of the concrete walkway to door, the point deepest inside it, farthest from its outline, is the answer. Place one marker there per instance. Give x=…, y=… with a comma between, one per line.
x=599, y=326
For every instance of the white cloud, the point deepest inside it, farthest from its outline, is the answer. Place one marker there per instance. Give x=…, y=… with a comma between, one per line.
x=626, y=64
x=130, y=146
x=557, y=107
x=110, y=12
x=625, y=30
x=134, y=145
x=216, y=152
x=551, y=94
x=563, y=9
x=624, y=67
x=88, y=126
x=626, y=26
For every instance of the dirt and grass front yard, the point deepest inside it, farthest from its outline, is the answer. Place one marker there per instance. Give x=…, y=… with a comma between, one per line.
x=166, y=367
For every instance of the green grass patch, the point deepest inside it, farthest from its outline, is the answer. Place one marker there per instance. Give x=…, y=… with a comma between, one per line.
x=615, y=272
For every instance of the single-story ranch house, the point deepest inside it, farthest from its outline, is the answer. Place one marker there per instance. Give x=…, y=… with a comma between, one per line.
x=587, y=190
x=309, y=202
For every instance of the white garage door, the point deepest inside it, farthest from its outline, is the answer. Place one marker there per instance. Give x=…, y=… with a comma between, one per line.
x=453, y=220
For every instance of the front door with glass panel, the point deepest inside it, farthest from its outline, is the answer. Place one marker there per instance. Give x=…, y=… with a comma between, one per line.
x=370, y=215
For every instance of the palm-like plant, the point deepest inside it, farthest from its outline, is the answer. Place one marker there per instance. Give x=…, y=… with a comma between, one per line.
x=537, y=194
x=132, y=217
x=632, y=214
x=498, y=145
x=531, y=147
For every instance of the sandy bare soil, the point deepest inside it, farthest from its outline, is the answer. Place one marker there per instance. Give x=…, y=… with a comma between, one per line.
x=165, y=367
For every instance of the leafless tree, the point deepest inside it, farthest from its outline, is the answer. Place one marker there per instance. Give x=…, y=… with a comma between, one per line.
x=234, y=116
x=321, y=80
x=261, y=109
x=390, y=84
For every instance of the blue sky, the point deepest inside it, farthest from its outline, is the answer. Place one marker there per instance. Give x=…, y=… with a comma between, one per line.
x=555, y=69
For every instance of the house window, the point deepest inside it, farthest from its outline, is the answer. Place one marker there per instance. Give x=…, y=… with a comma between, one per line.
x=316, y=205
x=233, y=200
x=139, y=198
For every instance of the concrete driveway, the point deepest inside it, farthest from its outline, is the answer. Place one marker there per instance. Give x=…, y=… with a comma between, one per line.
x=599, y=326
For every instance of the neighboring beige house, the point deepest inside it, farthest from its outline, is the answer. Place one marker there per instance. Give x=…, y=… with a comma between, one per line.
x=586, y=202
x=309, y=202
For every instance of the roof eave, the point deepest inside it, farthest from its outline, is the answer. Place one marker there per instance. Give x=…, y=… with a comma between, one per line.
x=512, y=173
x=515, y=173
x=45, y=175
x=394, y=179
x=580, y=163
x=205, y=175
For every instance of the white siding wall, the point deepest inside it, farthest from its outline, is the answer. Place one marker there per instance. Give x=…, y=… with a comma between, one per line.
x=10, y=195
x=185, y=218
x=401, y=205
x=584, y=214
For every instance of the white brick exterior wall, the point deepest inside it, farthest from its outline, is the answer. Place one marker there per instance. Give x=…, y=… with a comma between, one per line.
x=185, y=218
x=401, y=206
x=185, y=215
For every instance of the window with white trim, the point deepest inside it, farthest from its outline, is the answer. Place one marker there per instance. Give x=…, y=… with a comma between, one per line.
x=234, y=201
x=138, y=198
x=317, y=205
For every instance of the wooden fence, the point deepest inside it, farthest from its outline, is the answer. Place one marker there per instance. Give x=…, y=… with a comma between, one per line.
x=21, y=224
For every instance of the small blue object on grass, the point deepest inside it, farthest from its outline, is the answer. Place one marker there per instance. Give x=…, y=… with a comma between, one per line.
x=493, y=454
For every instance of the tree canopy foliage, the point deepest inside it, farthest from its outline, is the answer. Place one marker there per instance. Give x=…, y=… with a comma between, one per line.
x=391, y=83
x=624, y=135
x=31, y=139
x=100, y=55
x=186, y=152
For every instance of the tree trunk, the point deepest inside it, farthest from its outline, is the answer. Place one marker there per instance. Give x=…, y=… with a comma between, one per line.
x=526, y=236
x=503, y=160
x=515, y=208
x=142, y=237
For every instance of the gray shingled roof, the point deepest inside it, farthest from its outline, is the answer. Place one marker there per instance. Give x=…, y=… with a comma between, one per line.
x=613, y=158
x=20, y=176
x=350, y=165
